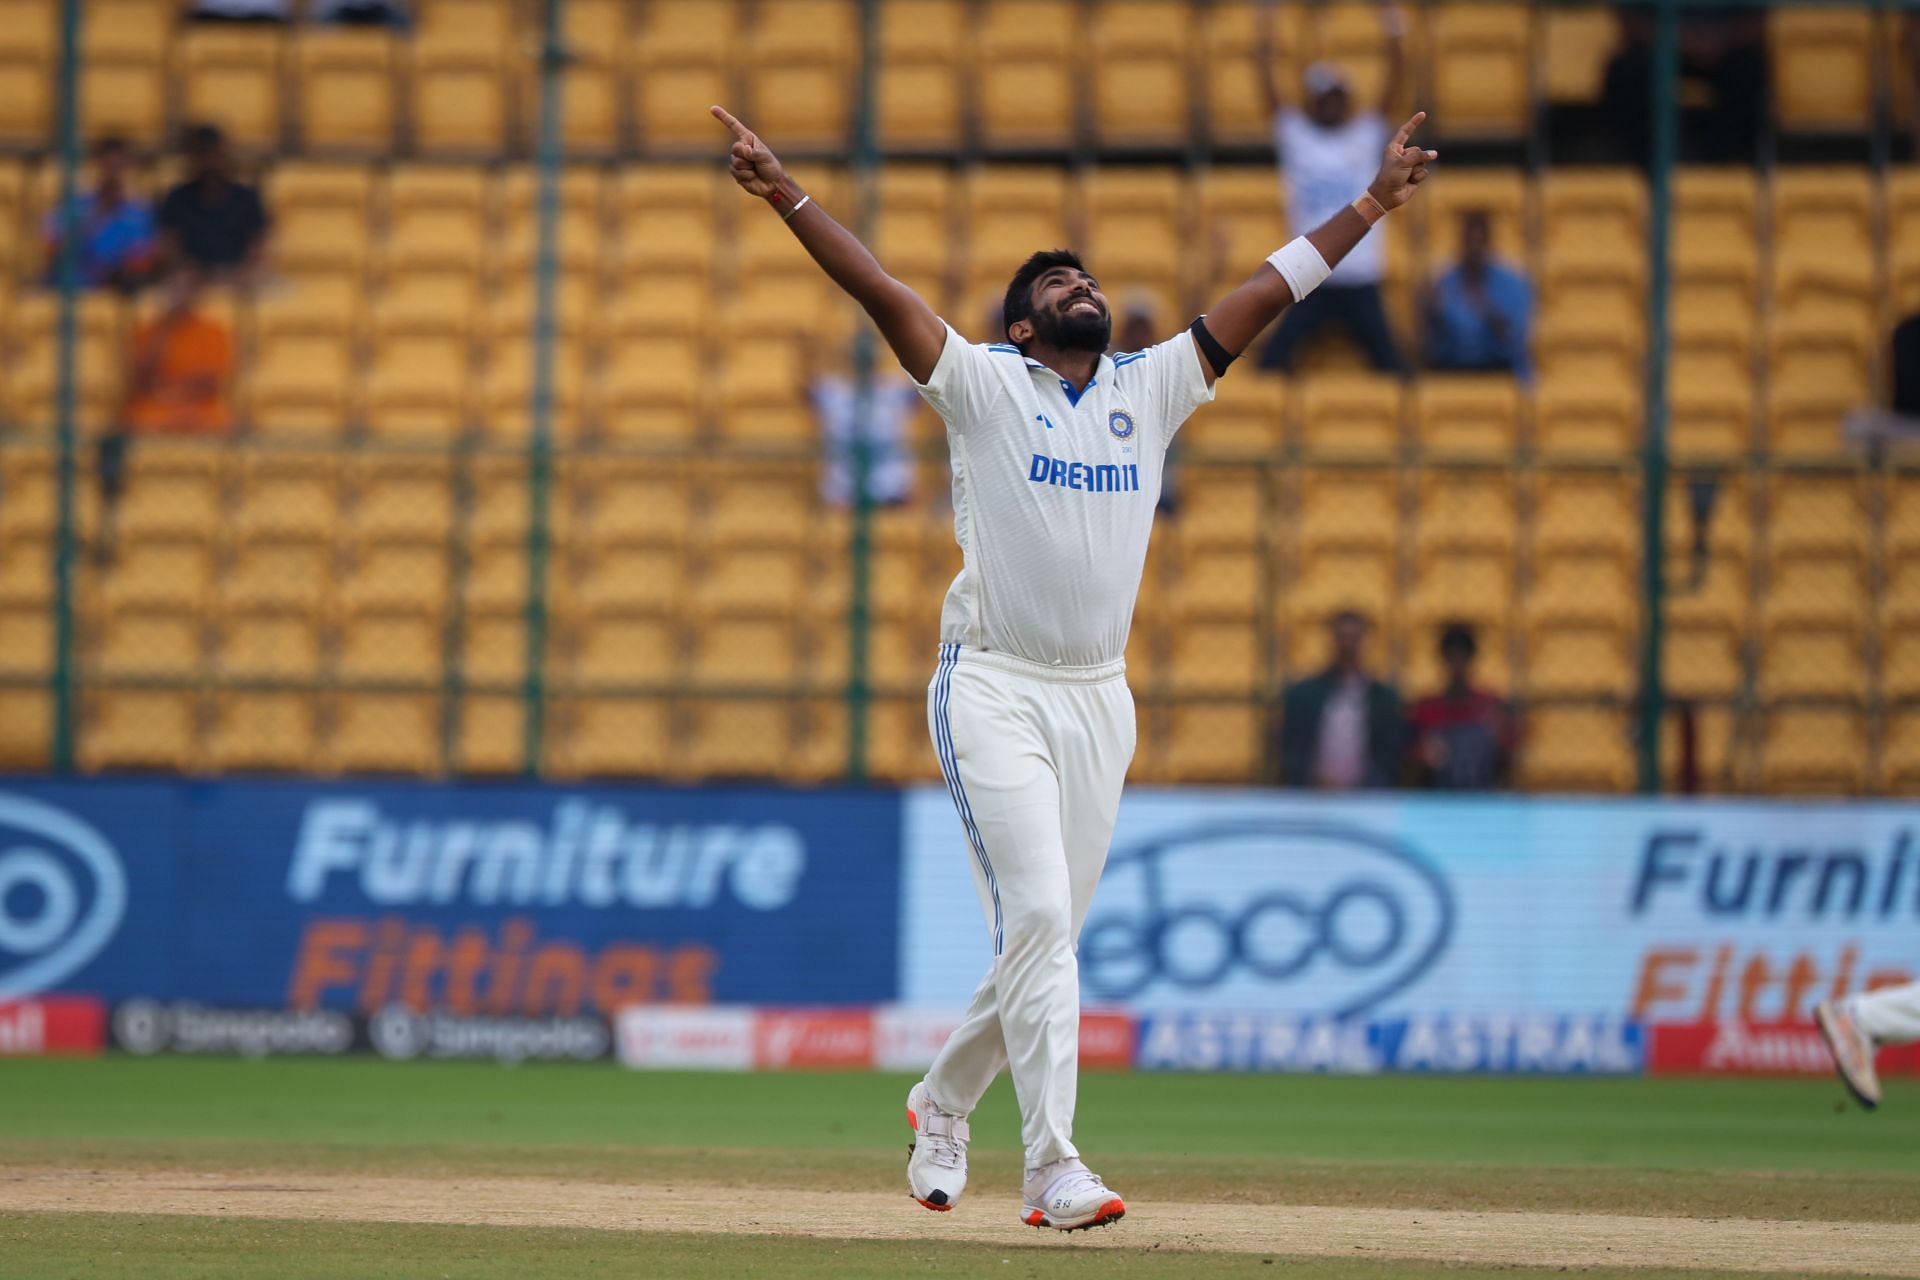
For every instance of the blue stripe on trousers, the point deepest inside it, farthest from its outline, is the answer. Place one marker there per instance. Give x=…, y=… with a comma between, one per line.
x=950, y=767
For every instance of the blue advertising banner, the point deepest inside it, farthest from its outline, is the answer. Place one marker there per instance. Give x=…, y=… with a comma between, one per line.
x=486, y=900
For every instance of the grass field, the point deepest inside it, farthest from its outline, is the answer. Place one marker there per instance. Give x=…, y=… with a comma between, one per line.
x=174, y=1168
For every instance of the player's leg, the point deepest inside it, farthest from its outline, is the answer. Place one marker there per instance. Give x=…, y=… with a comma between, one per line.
x=1890, y=1015
x=1855, y=1028
x=1297, y=323
x=1366, y=319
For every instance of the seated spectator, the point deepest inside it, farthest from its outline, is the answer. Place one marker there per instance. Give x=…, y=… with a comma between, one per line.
x=1479, y=311
x=891, y=405
x=1463, y=736
x=180, y=368
x=115, y=245
x=364, y=13
x=1342, y=728
x=241, y=11
x=1721, y=96
x=1328, y=154
x=210, y=222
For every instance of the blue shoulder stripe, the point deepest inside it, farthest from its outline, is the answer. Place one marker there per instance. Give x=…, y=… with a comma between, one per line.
x=1003, y=348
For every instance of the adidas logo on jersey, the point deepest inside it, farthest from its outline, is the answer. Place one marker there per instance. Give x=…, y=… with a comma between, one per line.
x=1106, y=477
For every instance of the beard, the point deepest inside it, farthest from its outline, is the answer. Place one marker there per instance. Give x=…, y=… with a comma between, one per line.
x=1073, y=331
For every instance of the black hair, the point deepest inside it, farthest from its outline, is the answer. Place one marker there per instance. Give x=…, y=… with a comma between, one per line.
x=1018, y=304
x=204, y=137
x=1458, y=636
x=111, y=144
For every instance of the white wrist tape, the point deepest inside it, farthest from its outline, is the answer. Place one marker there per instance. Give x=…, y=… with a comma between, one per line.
x=1300, y=265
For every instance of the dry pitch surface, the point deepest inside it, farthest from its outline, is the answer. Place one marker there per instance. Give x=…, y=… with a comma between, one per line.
x=211, y=1169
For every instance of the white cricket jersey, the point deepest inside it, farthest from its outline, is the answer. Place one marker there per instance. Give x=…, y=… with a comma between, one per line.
x=1053, y=494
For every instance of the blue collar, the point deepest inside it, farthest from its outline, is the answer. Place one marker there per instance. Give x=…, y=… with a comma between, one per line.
x=1073, y=397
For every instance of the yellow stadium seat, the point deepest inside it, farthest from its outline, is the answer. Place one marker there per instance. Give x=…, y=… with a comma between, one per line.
x=1349, y=34
x=1710, y=404
x=623, y=575
x=380, y=575
x=733, y=652
x=764, y=246
x=1813, y=662
x=1470, y=586
x=768, y=504
x=287, y=494
x=783, y=313
x=917, y=85
x=169, y=493
x=1140, y=72
x=1817, y=515
x=1576, y=749
x=1233, y=511
x=577, y=240
x=1577, y=41
x=1579, y=662
x=1714, y=241
x=1469, y=511
x=1468, y=415
x=738, y=738
x=1010, y=208
x=1700, y=662
x=267, y=642
x=1359, y=509
x=1586, y=512
x=165, y=641
x=99, y=355
x=506, y=410
x=594, y=33
x=1136, y=231
x=1355, y=414
x=1810, y=392
x=174, y=571
x=1215, y=744
x=1248, y=414
x=496, y=577
x=1220, y=582
x=667, y=217
x=29, y=49
x=654, y=389
x=1479, y=55
x=493, y=643
x=914, y=234
x=300, y=384
x=417, y=387
x=490, y=736
x=805, y=56
x=137, y=729
x=1814, y=752
x=1327, y=582
x=751, y=581
x=345, y=78
x=610, y=737
x=1027, y=61
x=1823, y=234
x=1580, y=415
x=320, y=221
x=1236, y=108
x=435, y=219
x=1902, y=520
x=683, y=62
x=280, y=570
x=1591, y=589
x=1903, y=238
x=123, y=68
x=397, y=733
x=1714, y=317
x=1216, y=656
x=763, y=394
x=459, y=67
x=1822, y=73
x=1899, y=761
x=391, y=642
x=26, y=728
x=1815, y=592
x=401, y=497
x=235, y=79
x=26, y=639
x=1241, y=218
x=897, y=657
x=20, y=242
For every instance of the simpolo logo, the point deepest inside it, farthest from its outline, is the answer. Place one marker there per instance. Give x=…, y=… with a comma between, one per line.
x=1219, y=916
x=62, y=895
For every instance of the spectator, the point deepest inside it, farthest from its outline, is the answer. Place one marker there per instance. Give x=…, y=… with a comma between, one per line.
x=115, y=243
x=1906, y=367
x=1463, y=736
x=241, y=11
x=1340, y=729
x=210, y=222
x=1479, y=312
x=1721, y=95
x=836, y=404
x=180, y=369
x=368, y=13
x=1328, y=153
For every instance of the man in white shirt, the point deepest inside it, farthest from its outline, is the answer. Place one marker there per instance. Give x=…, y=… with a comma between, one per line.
x=1057, y=450
x=1325, y=151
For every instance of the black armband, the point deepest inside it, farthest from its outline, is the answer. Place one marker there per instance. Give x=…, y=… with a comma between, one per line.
x=1217, y=356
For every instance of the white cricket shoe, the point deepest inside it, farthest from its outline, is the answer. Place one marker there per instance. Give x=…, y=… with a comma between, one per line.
x=1068, y=1196
x=1852, y=1051
x=937, y=1160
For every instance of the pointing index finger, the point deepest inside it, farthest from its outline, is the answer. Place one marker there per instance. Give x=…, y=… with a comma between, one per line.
x=726, y=117
x=1399, y=139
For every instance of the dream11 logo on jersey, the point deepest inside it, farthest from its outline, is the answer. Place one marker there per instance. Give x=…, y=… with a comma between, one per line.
x=62, y=895
x=1305, y=916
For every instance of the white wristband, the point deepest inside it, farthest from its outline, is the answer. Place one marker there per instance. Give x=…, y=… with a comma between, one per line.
x=1300, y=265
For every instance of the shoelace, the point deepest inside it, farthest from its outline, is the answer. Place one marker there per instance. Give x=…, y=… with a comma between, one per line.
x=945, y=1137
x=1073, y=1183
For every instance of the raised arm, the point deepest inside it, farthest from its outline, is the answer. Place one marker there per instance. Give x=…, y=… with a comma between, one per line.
x=1266, y=51
x=909, y=325
x=1237, y=319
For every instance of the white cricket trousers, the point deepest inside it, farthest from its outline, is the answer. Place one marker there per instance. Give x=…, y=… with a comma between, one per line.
x=1891, y=1015
x=1035, y=757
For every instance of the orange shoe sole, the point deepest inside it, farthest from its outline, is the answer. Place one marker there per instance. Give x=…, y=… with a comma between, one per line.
x=1110, y=1212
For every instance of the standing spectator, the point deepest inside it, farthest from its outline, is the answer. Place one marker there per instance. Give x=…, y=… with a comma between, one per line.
x=1463, y=736
x=210, y=222
x=1328, y=152
x=115, y=243
x=1342, y=728
x=891, y=405
x=1479, y=311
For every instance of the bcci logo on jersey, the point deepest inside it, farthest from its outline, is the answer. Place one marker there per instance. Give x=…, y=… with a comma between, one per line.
x=1120, y=423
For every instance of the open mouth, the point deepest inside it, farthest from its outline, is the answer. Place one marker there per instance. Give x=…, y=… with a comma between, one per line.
x=1084, y=304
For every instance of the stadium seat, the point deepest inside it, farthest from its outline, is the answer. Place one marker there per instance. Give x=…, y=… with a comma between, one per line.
x=1714, y=243
x=390, y=641
x=493, y=643
x=1709, y=404
x=1027, y=63
x=1469, y=511
x=1468, y=415
x=175, y=571
x=1899, y=758
x=1583, y=590
x=490, y=735
x=1328, y=581
x=654, y=390
x=436, y=220
x=1350, y=414
x=345, y=78
x=764, y=247
x=914, y=232
x=1010, y=208
x=577, y=226
x=805, y=57
x=898, y=656
x=1812, y=663
x=1479, y=54
x=1218, y=582
x=26, y=639
x=400, y=497
x=1594, y=222
x=1349, y=508
x=320, y=218
x=417, y=387
x=762, y=394
x=1576, y=43
x=625, y=649
x=1216, y=656
x=1586, y=513
x=1810, y=392
x=29, y=49
x=267, y=642
x=1234, y=512
x=138, y=729
x=737, y=738
x=1822, y=72
x=767, y=504
x=1468, y=586
x=161, y=640
x=170, y=492
x=1815, y=591
x=622, y=575
x=459, y=70
x=643, y=501
x=683, y=61
x=1595, y=661
x=1576, y=749
x=610, y=737
x=1903, y=239
x=380, y=575
x=1136, y=235
x=384, y=733
x=1819, y=752
x=1823, y=252
x=26, y=728
x=1212, y=743
x=236, y=78
x=1700, y=661
x=918, y=84
x=303, y=366
x=1241, y=218
x=99, y=354
x=1140, y=72
x=1248, y=415
x=1817, y=515
x=123, y=69
x=505, y=398
x=763, y=581
x=594, y=33
x=1580, y=415
x=1348, y=33
x=1236, y=113
x=667, y=217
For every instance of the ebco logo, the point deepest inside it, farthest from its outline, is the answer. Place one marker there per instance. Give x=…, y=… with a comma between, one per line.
x=1326, y=917
x=62, y=894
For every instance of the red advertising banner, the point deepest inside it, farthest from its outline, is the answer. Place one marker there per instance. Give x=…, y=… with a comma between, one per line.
x=1106, y=1041
x=63, y=1026
x=1755, y=1049
x=813, y=1040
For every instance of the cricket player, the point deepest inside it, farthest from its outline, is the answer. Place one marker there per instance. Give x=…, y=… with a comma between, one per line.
x=1857, y=1026
x=1057, y=452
